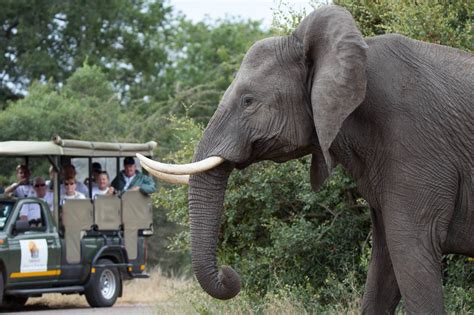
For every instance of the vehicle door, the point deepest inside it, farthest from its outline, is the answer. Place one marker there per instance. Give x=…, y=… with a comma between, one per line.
x=34, y=246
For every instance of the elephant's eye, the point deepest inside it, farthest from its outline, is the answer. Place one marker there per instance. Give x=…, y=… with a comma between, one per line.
x=247, y=100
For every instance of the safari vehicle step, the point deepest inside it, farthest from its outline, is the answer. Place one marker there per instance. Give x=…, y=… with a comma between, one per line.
x=40, y=291
x=141, y=275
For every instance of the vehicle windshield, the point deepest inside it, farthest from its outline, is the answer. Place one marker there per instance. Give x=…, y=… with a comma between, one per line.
x=6, y=208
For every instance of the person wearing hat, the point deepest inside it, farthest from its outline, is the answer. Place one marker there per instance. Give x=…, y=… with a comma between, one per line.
x=132, y=179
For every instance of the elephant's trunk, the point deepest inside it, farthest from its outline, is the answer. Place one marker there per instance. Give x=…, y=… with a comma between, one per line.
x=206, y=197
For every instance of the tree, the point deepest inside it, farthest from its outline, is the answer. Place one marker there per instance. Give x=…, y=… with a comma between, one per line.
x=45, y=40
x=442, y=22
x=86, y=108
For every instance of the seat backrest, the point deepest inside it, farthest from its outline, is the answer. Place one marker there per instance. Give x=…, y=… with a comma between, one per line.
x=136, y=214
x=77, y=216
x=107, y=212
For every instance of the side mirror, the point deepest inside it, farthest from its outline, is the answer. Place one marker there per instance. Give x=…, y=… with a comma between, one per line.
x=21, y=226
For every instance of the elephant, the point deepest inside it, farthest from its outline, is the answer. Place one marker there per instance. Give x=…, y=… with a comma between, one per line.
x=396, y=113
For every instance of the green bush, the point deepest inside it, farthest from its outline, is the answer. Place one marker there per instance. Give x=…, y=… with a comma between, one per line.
x=458, y=284
x=85, y=108
x=278, y=232
x=441, y=22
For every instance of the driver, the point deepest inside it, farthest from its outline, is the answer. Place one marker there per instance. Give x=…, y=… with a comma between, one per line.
x=41, y=191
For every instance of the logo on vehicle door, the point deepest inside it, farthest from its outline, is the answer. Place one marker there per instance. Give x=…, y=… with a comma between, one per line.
x=34, y=255
x=34, y=250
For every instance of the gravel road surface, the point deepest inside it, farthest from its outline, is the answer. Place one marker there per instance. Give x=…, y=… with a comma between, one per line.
x=126, y=309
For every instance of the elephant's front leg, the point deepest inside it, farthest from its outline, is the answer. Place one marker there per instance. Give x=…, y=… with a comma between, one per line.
x=381, y=294
x=416, y=257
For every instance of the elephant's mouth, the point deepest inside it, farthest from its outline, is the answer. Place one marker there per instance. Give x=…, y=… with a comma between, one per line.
x=241, y=166
x=287, y=153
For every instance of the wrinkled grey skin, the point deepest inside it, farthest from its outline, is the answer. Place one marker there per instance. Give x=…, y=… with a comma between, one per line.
x=396, y=113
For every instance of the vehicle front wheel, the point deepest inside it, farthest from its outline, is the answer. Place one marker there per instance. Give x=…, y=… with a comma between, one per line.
x=14, y=302
x=104, y=285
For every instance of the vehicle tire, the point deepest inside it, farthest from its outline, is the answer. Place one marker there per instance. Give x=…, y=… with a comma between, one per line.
x=14, y=302
x=2, y=287
x=104, y=285
x=10, y=301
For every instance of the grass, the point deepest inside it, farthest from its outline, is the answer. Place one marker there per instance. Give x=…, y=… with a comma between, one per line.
x=177, y=296
x=184, y=296
x=155, y=290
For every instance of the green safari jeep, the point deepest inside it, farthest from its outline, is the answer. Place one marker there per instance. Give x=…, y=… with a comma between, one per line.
x=81, y=246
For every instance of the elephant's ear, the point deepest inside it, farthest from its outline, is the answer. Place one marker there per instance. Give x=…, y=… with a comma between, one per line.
x=335, y=53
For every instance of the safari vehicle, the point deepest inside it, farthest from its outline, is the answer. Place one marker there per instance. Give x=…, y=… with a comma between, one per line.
x=85, y=246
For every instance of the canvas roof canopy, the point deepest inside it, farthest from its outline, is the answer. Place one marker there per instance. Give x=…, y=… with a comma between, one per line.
x=59, y=146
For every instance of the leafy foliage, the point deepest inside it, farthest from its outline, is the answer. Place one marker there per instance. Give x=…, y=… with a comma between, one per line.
x=286, y=18
x=278, y=232
x=51, y=39
x=86, y=108
x=441, y=22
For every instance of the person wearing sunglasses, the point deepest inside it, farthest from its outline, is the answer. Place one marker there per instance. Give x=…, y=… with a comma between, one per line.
x=69, y=171
x=42, y=192
x=31, y=212
x=70, y=191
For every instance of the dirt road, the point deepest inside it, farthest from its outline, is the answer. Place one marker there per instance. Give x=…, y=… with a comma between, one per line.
x=140, y=296
x=126, y=309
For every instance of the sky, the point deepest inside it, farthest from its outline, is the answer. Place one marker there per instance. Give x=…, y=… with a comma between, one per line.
x=196, y=10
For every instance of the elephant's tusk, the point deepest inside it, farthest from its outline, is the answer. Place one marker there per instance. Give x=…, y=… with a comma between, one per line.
x=172, y=179
x=181, y=169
